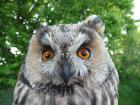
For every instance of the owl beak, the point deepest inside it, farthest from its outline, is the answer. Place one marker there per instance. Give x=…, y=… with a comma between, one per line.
x=66, y=71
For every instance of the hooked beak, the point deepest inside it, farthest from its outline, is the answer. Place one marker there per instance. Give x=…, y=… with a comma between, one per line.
x=66, y=71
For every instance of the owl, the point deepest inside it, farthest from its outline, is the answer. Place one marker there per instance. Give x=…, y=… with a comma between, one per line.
x=68, y=64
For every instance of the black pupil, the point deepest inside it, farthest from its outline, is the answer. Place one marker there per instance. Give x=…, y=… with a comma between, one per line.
x=48, y=54
x=84, y=52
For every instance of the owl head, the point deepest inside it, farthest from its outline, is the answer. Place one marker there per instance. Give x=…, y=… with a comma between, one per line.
x=62, y=58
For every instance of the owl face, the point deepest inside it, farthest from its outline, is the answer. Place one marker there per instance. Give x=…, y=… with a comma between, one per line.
x=63, y=57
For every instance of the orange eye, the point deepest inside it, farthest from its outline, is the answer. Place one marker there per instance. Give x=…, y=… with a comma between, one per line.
x=47, y=54
x=84, y=53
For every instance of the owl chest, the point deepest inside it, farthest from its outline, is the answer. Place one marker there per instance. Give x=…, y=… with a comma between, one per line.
x=105, y=95
x=27, y=96
x=32, y=98
x=58, y=100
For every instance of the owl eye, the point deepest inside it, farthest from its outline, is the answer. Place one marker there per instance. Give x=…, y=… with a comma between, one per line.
x=47, y=54
x=84, y=53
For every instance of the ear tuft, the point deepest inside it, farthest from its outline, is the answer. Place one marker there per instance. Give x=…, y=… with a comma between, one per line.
x=95, y=22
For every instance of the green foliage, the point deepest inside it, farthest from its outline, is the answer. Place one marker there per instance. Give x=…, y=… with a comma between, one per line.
x=129, y=92
x=6, y=96
x=19, y=19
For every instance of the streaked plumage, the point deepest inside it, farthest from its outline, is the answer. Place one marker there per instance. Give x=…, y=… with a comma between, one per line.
x=67, y=79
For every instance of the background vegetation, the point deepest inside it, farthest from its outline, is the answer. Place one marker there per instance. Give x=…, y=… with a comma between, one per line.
x=20, y=18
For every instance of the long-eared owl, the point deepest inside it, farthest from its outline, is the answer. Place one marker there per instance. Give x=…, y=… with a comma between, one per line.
x=68, y=64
